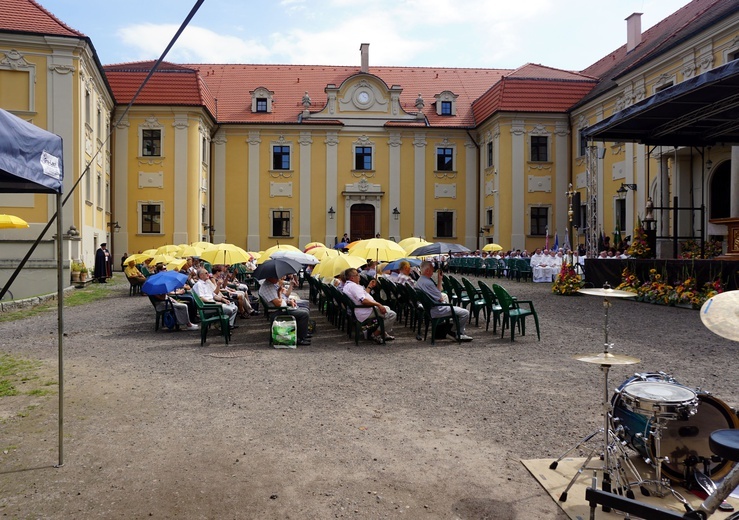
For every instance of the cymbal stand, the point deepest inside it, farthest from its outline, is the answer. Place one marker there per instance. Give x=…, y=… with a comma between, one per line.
x=615, y=460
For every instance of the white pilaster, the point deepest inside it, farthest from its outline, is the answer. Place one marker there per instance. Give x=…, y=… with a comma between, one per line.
x=561, y=179
x=305, y=142
x=218, y=186
x=471, y=219
x=419, y=192
x=332, y=176
x=394, y=200
x=121, y=185
x=254, y=209
x=518, y=175
x=180, y=125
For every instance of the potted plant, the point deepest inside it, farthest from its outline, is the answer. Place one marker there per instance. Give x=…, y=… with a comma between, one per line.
x=76, y=268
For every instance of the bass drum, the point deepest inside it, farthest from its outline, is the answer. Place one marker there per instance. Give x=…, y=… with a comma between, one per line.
x=689, y=438
x=681, y=438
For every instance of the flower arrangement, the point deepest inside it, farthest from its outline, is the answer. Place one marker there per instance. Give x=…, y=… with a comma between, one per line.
x=692, y=249
x=685, y=292
x=656, y=289
x=639, y=247
x=629, y=281
x=709, y=290
x=568, y=281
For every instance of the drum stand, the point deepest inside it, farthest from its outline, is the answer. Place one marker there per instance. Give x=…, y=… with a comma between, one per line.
x=615, y=460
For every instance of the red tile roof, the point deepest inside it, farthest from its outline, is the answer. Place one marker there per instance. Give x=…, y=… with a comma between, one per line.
x=691, y=19
x=171, y=84
x=231, y=84
x=26, y=16
x=533, y=88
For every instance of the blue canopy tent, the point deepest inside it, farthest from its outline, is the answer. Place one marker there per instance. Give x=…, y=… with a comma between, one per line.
x=31, y=162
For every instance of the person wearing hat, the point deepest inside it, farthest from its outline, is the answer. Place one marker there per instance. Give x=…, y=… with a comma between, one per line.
x=102, y=264
x=133, y=274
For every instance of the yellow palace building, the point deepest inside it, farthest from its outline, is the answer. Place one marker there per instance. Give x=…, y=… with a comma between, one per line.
x=260, y=154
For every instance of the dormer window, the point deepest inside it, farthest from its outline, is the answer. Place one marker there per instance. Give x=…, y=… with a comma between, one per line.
x=261, y=100
x=446, y=103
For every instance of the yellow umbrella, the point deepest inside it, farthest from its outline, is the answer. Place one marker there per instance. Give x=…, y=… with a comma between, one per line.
x=169, y=249
x=201, y=245
x=190, y=251
x=138, y=258
x=255, y=255
x=491, y=247
x=279, y=247
x=323, y=253
x=12, y=222
x=410, y=243
x=379, y=249
x=312, y=245
x=150, y=252
x=161, y=259
x=225, y=254
x=333, y=266
x=176, y=264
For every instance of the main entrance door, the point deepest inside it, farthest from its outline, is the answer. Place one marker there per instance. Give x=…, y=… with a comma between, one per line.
x=362, y=224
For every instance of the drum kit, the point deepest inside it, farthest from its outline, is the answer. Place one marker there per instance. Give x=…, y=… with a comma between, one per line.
x=665, y=422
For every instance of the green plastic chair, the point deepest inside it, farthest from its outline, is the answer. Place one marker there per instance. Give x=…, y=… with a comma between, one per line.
x=356, y=326
x=211, y=314
x=477, y=302
x=494, y=310
x=514, y=314
x=425, y=300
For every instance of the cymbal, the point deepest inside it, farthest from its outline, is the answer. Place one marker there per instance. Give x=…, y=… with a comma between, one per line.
x=608, y=293
x=720, y=314
x=606, y=358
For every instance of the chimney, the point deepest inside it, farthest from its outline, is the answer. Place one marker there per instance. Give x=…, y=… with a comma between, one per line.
x=364, y=49
x=633, y=31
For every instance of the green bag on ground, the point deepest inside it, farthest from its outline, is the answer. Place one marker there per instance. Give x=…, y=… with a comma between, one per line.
x=284, y=332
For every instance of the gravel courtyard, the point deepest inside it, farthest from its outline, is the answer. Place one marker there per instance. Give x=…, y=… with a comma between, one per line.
x=158, y=427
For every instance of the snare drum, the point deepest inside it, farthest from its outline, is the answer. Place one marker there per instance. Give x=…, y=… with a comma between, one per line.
x=683, y=436
x=663, y=399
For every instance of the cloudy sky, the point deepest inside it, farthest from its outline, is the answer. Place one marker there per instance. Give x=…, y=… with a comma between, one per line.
x=568, y=34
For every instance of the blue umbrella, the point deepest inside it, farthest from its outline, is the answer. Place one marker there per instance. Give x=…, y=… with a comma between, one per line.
x=341, y=245
x=164, y=282
x=395, y=264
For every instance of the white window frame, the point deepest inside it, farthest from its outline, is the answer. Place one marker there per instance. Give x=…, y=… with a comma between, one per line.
x=369, y=145
x=548, y=207
x=454, y=222
x=272, y=222
x=151, y=124
x=549, y=148
x=289, y=146
x=665, y=81
x=139, y=216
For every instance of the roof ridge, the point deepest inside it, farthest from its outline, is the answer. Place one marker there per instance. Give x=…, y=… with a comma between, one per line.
x=57, y=20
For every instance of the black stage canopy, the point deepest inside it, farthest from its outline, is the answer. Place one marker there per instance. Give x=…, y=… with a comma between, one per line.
x=701, y=111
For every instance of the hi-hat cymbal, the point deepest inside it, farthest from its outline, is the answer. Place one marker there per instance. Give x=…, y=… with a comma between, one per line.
x=608, y=293
x=606, y=358
x=720, y=314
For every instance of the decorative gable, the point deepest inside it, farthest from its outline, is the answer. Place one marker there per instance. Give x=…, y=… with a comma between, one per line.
x=261, y=100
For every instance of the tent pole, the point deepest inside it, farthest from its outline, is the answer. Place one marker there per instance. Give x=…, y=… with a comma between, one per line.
x=60, y=319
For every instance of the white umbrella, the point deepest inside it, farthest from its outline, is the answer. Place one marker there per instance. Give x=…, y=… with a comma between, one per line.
x=301, y=258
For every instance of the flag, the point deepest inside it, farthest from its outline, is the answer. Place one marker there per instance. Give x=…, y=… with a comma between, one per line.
x=556, y=241
x=546, y=243
x=567, y=245
x=617, y=237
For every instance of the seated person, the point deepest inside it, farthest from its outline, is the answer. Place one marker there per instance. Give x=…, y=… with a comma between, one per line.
x=207, y=290
x=133, y=274
x=404, y=273
x=289, y=283
x=427, y=285
x=271, y=290
x=371, y=269
x=223, y=280
x=364, y=302
x=180, y=310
